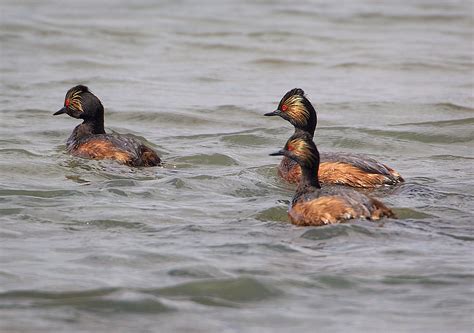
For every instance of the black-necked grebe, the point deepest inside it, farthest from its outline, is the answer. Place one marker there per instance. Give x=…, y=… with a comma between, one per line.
x=313, y=205
x=354, y=170
x=89, y=139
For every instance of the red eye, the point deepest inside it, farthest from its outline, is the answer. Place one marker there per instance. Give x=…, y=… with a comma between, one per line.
x=66, y=103
x=284, y=108
x=290, y=148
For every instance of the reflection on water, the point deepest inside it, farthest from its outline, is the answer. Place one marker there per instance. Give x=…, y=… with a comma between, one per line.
x=96, y=246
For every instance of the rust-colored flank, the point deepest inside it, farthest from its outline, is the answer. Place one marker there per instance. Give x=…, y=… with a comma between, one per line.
x=102, y=149
x=335, y=209
x=339, y=173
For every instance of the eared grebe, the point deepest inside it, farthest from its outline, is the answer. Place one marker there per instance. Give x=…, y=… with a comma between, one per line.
x=354, y=170
x=313, y=205
x=89, y=139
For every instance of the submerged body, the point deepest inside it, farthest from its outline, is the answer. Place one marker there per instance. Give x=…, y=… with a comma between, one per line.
x=344, y=169
x=315, y=205
x=312, y=206
x=116, y=147
x=354, y=170
x=89, y=140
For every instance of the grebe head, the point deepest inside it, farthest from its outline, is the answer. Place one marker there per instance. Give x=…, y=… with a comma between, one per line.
x=297, y=109
x=301, y=148
x=82, y=104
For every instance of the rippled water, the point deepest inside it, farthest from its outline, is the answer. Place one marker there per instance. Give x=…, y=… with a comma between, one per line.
x=203, y=244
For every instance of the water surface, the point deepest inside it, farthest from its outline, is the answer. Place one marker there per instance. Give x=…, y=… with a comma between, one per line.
x=203, y=244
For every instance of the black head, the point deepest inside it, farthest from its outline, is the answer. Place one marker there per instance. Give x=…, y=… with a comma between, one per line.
x=301, y=148
x=297, y=109
x=81, y=103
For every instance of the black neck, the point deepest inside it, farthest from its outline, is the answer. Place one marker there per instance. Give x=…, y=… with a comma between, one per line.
x=87, y=128
x=299, y=131
x=309, y=176
x=95, y=125
x=309, y=183
x=309, y=171
x=93, y=115
x=311, y=126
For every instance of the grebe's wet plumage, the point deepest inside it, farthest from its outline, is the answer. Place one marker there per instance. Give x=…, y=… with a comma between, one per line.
x=89, y=139
x=336, y=168
x=313, y=205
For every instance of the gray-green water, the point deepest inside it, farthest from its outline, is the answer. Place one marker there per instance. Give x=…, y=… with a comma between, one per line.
x=203, y=244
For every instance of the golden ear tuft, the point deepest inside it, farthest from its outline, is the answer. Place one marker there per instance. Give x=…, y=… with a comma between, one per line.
x=298, y=147
x=74, y=99
x=296, y=109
